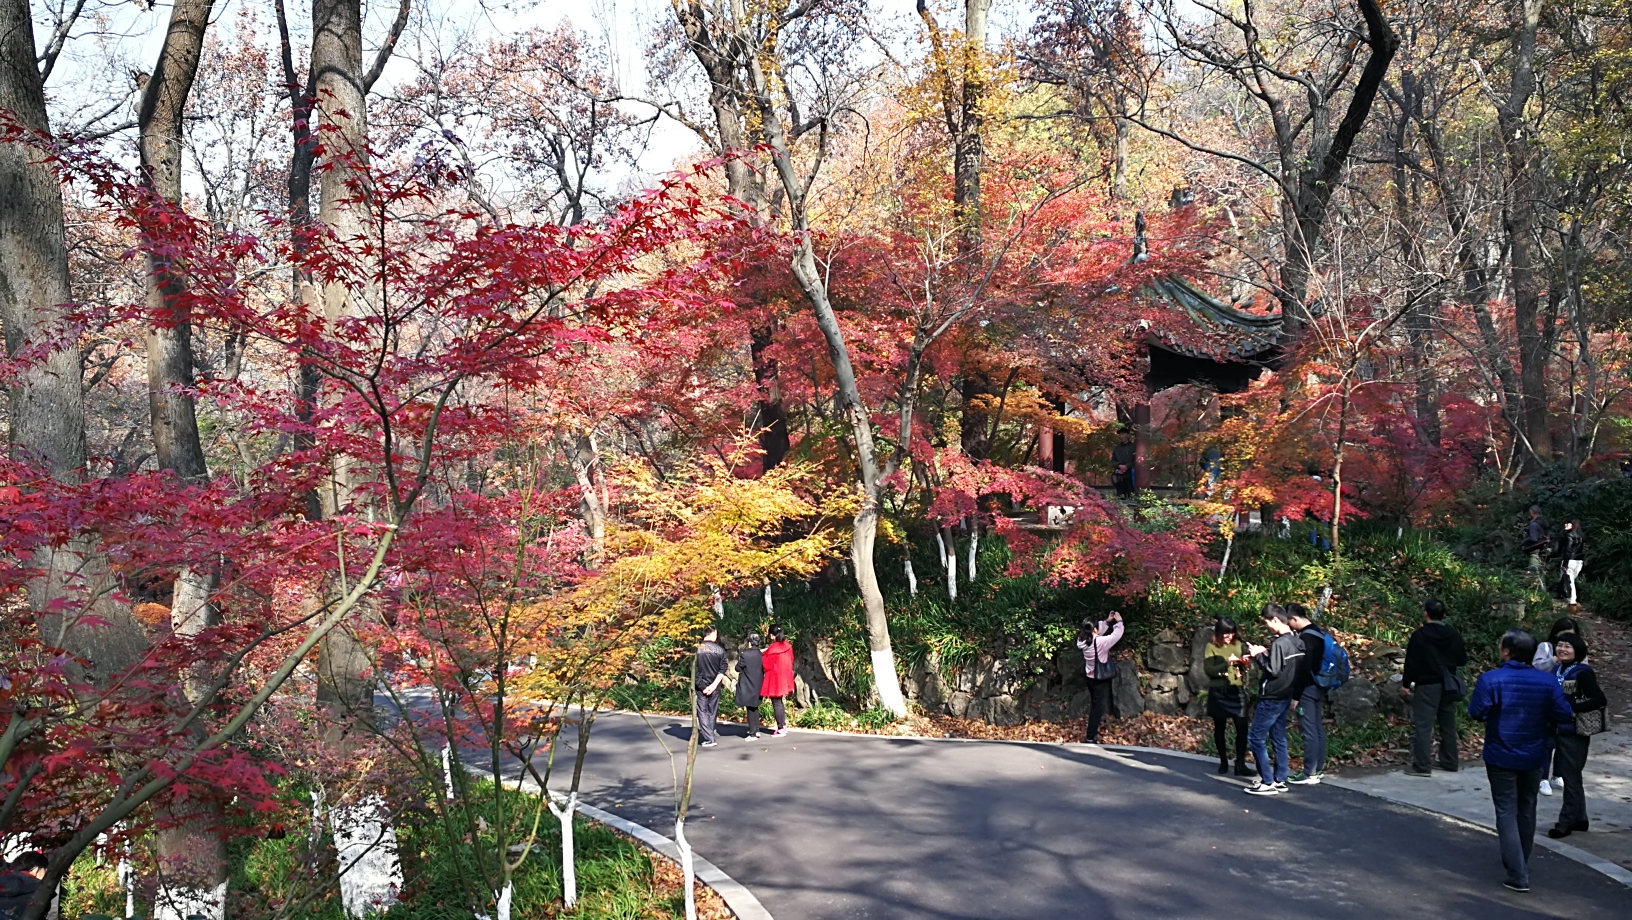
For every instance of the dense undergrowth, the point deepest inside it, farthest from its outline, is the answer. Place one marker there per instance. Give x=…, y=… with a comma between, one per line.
x=617, y=879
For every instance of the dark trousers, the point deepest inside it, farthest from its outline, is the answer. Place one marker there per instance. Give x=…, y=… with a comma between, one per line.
x=1312, y=728
x=1513, y=792
x=1099, y=703
x=1269, y=724
x=753, y=721
x=1572, y=759
x=1429, y=709
x=779, y=710
x=708, y=713
x=1240, y=738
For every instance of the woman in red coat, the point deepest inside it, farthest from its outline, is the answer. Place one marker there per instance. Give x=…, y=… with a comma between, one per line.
x=778, y=678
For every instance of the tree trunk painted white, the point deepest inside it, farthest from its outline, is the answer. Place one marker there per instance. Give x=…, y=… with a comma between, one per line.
x=447, y=769
x=569, y=859
x=974, y=543
x=952, y=572
x=366, y=845
x=719, y=605
x=688, y=875
x=127, y=881
x=912, y=579
x=1224, y=566
x=180, y=902
x=940, y=548
x=770, y=605
x=505, y=896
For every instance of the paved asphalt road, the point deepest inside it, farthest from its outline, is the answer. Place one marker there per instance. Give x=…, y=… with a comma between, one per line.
x=832, y=826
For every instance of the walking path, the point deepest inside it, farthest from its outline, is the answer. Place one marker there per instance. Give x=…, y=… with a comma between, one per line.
x=1607, y=778
x=823, y=825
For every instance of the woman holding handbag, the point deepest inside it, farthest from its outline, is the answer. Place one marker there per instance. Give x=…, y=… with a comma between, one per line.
x=1096, y=639
x=1581, y=688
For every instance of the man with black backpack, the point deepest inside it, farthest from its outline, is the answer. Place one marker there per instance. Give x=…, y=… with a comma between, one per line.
x=1314, y=679
x=1538, y=542
x=1432, y=656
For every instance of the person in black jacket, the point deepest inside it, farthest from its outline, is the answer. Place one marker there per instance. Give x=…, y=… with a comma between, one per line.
x=1124, y=458
x=1311, y=697
x=750, y=678
x=1279, y=665
x=1573, y=547
x=1580, y=683
x=707, y=676
x=1436, y=650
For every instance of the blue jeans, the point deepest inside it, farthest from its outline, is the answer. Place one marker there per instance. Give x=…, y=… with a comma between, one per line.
x=1269, y=722
x=1312, y=729
x=1513, y=792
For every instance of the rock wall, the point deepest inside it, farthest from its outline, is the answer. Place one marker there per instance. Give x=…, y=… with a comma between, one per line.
x=1168, y=677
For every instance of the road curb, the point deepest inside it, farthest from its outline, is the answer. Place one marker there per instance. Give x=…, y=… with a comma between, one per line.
x=735, y=894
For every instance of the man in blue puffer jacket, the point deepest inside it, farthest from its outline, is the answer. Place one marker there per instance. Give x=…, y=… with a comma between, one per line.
x=1521, y=707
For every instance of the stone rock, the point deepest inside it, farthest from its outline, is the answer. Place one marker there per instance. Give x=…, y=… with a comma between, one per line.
x=932, y=690
x=1197, y=675
x=1126, y=701
x=1162, y=702
x=1195, y=709
x=958, y=704
x=813, y=672
x=1355, y=702
x=1050, y=711
x=1080, y=704
x=1073, y=669
x=1182, y=694
x=1166, y=683
x=1167, y=654
x=1390, y=699
x=1002, y=710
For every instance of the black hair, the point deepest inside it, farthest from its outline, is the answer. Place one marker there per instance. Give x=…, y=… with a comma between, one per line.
x=752, y=641
x=776, y=633
x=1088, y=630
x=1298, y=610
x=1520, y=645
x=1223, y=626
x=1561, y=626
x=33, y=859
x=1575, y=641
x=1535, y=510
x=1434, y=608
x=1275, y=612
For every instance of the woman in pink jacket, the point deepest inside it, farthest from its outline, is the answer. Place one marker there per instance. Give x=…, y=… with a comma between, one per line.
x=1096, y=639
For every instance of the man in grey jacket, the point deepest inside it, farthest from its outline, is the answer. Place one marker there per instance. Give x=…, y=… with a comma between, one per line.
x=1280, y=665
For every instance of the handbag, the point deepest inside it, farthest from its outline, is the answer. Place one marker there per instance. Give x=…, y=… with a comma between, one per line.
x=1104, y=670
x=1455, y=689
x=1595, y=722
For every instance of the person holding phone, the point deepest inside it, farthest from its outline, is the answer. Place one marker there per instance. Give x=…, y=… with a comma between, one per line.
x=1280, y=664
x=1096, y=639
x=1226, y=664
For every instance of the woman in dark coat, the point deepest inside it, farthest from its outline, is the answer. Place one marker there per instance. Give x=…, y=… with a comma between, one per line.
x=1581, y=687
x=750, y=679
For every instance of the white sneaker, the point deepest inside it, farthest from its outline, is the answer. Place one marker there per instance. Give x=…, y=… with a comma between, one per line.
x=1558, y=782
x=779, y=733
x=1546, y=788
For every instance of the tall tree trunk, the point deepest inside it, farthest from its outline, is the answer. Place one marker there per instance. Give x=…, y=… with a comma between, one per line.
x=192, y=851
x=1313, y=185
x=47, y=413
x=340, y=94
x=1419, y=309
x=1521, y=220
x=771, y=418
x=962, y=78
x=812, y=283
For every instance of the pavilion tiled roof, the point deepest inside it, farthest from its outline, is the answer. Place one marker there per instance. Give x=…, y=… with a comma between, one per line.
x=1200, y=325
